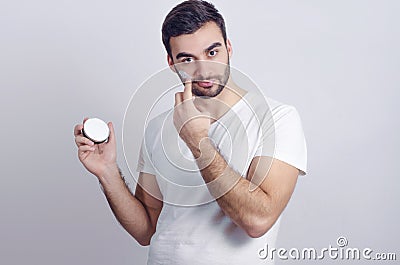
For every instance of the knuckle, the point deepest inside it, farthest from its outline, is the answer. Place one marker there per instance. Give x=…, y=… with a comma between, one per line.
x=83, y=148
x=81, y=140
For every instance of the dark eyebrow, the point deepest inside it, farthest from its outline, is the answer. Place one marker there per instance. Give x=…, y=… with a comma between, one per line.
x=212, y=46
x=183, y=54
x=209, y=48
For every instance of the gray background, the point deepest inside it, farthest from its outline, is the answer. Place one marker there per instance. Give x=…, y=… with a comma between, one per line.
x=336, y=61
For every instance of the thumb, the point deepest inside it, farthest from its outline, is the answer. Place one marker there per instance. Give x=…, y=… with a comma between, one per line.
x=111, y=138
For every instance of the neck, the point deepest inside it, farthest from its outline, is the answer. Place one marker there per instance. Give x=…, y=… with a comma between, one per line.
x=219, y=105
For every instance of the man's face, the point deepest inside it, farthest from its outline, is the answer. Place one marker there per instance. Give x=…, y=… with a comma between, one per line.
x=203, y=58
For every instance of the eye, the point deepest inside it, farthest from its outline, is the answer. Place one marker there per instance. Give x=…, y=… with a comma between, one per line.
x=212, y=53
x=187, y=60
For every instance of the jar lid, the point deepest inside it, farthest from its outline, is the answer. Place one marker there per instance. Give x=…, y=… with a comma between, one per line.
x=96, y=130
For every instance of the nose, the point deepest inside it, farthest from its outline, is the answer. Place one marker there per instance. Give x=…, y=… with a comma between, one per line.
x=202, y=69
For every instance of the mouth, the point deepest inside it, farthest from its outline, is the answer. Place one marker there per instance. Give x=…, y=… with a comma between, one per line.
x=205, y=83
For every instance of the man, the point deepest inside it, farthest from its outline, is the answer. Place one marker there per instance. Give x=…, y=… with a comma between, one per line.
x=247, y=153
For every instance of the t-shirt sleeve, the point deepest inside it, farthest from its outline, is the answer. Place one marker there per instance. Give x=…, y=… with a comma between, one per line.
x=145, y=164
x=285, y=136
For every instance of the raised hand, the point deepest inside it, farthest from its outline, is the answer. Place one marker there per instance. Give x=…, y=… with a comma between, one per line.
x=96, y=158
x=191, y=124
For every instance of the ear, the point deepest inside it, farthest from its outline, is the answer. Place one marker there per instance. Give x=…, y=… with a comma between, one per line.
x=229, y=47
x=171, y=63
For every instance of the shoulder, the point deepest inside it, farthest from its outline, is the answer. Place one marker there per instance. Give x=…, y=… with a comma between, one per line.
x=280, y=110
x=155, y=125
x=158, y=121
x=267, y=107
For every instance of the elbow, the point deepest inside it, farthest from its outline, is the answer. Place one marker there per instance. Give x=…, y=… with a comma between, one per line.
x=143, y=241
x=256, y=232
x=258, y=227
x=143, y=238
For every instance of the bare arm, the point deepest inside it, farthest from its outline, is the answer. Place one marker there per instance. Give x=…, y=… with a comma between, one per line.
x=255, y=207
x=137, y=214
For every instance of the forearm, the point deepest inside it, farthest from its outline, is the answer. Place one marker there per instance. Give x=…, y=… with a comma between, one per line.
x=128, y=210
x=250, y=209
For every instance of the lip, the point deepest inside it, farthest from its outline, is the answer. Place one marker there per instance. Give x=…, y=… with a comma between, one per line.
x=205, y=83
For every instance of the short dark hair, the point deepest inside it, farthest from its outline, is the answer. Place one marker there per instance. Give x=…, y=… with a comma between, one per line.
x=188, y=17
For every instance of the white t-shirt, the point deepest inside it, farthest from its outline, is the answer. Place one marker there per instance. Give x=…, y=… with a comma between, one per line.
x=192, y=229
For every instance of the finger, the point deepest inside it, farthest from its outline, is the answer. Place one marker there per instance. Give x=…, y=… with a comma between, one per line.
x=85, y=148
x=81, y=140
x=78, y=129
x=187, y=91
x=178, y=98
x=111, y=138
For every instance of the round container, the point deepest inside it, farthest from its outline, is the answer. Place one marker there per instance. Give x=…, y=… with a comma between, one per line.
x=96, y=130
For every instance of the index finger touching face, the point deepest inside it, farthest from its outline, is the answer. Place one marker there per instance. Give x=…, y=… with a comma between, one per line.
x=187, y=92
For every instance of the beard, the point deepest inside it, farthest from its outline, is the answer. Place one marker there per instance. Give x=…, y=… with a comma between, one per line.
x=219, y=83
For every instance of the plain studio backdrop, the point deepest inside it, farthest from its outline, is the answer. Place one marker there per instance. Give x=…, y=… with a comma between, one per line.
x=337, y=62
